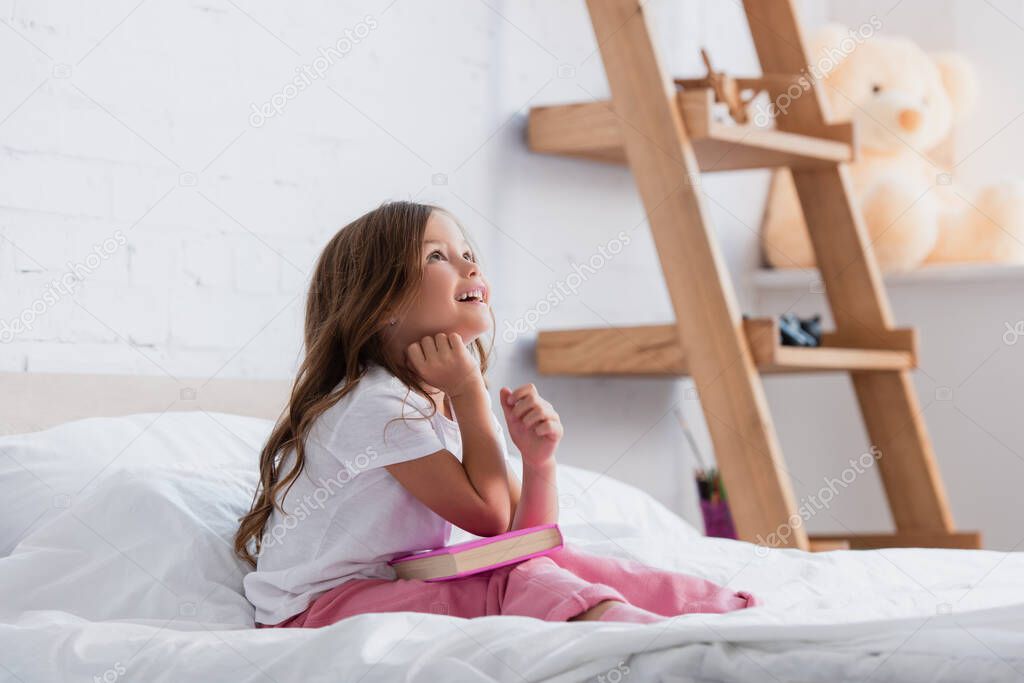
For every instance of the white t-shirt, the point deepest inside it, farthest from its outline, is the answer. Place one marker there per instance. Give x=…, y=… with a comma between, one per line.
x=347, y=515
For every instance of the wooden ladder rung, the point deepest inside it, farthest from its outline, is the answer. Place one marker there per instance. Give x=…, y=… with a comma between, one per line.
x=970, y=540
x=824, y=545
x=892, y=351
x=591, y=130
x=654, y=350
x=640, y=350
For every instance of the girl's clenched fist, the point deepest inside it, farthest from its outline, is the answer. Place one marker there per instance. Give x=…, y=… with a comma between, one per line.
x=533, y=424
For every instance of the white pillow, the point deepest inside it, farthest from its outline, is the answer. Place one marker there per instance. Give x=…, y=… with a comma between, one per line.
x=42, y=474
x=594, y=507
x=150, y=544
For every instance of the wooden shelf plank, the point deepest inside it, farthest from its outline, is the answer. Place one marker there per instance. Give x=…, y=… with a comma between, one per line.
x=771, y=356
x=799, y=359
x=643, y=350
x=653, y=350
x=592, y=130
x=824, y=545
x=970, y=540
x=939, y=274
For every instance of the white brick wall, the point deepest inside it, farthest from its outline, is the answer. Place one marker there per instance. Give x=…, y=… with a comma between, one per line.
x=137, y=117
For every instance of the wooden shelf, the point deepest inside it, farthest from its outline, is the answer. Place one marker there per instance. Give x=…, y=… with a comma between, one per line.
x=653, y=350
x=955, y=274
x=834, y=355
x=643, y=350
x=592, y=130
x=824, y=545
x=970, y=540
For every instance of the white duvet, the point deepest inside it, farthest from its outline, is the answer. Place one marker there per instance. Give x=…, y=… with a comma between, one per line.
x=135, y=581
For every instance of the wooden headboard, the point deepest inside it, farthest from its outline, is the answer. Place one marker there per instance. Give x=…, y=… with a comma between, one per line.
x=31, y=401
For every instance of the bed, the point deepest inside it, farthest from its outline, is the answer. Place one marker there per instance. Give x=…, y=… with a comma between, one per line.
x=119, y=500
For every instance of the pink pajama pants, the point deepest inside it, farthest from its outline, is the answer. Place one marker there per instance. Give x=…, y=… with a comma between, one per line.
x=553, y=587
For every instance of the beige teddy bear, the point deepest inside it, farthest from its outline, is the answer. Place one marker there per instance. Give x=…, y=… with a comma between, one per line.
x=904, y=103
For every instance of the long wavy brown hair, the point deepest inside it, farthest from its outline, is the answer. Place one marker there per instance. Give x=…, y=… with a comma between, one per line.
x=367, y=274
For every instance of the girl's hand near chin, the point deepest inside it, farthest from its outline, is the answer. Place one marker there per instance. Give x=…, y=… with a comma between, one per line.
x=443, y=361
x=533, y=424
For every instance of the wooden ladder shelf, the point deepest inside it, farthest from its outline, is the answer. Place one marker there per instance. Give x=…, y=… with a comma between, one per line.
x=655, y=350
x=592, y=130
x=668, y=136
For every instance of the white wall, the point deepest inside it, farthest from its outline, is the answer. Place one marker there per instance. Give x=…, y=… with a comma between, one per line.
x=134, y=120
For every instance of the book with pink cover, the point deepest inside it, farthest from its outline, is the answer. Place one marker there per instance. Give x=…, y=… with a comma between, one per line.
x=479, y=555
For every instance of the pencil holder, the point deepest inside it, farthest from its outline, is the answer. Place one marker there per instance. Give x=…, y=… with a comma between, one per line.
x=714, y=505
x=717, y=519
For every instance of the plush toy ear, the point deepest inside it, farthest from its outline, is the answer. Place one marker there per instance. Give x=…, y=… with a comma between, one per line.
x=959, y=79
x=824, y=48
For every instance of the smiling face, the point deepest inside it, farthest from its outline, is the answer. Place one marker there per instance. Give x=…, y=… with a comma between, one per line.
x=453, y=296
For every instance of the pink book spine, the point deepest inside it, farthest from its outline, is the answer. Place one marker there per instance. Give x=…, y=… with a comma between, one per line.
x=514, y=560
x=469, y=545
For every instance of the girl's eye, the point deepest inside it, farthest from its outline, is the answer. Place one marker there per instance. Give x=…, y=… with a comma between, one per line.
x=467, y=255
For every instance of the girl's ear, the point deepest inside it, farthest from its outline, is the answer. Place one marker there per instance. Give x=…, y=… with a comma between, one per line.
x=387, y=324
x=823, y=47
x=959, y=78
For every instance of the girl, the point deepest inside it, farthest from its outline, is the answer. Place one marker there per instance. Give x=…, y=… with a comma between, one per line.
x=389, y=439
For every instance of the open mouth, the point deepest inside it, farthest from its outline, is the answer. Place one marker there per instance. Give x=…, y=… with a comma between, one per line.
x=473, y=296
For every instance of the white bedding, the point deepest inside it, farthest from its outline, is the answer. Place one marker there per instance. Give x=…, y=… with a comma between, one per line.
x=134, y=581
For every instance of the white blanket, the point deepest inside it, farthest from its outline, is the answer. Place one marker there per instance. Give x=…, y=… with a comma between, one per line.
x=892, y=615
